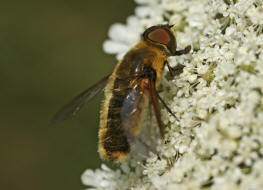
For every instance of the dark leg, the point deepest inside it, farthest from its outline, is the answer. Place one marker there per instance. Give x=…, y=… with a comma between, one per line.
x=150, y=112
x=165, y=105
x=171, y=71
x=176, y=70
x=156, y=107
x=183, y=51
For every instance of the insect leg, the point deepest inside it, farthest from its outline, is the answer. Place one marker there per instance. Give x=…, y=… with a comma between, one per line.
x=178, y=69
x=165, y=105
x=183, y=51
x=171, y=71
x=156, y=107
x=150, y=112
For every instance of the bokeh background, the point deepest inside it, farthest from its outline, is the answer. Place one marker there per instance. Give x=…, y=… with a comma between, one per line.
x=49, y=52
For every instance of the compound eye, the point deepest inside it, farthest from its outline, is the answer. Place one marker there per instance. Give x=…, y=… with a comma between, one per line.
x=160, y=36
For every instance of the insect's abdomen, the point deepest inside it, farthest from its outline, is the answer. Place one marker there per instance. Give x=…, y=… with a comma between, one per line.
x=113, y=143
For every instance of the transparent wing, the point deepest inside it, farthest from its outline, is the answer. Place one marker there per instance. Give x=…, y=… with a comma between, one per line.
x=134, y=105
x=132, y=114
x=132, y=111
x=77, y=103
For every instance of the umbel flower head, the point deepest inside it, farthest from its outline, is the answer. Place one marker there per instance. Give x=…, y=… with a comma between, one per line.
x=217, y=142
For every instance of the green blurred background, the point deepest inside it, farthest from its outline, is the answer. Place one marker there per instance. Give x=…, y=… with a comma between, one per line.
x=49, y=52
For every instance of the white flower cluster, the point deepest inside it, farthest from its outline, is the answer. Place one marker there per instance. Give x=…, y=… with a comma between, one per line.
x=218, y=98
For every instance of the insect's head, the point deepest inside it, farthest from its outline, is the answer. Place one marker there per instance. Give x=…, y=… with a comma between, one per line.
x=162, y=37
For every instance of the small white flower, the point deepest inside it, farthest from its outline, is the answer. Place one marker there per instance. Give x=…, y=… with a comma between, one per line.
x=217, y=142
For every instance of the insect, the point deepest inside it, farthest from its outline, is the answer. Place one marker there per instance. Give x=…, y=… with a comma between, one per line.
x=129, y=90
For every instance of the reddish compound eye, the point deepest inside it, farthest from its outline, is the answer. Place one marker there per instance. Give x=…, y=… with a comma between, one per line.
x=160, y=36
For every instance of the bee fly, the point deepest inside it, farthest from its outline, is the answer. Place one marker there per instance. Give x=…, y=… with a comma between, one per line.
x=129, y=90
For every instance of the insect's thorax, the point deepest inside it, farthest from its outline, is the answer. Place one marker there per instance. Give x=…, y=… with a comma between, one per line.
x=138, y=60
